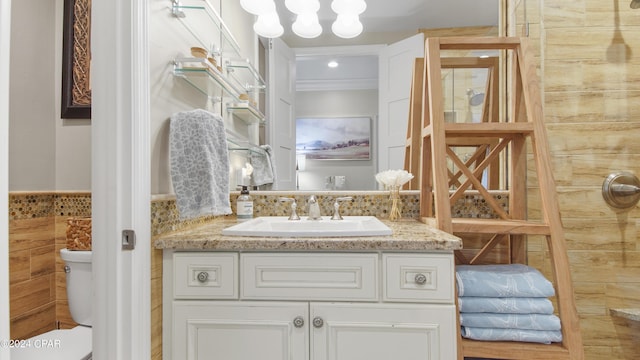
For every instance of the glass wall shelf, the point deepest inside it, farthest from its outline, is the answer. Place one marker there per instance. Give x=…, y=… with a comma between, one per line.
x=246, y=112
x=245, y=75
x=197, y=19
x=239, y=145
x=208, y=80
x=205, y=77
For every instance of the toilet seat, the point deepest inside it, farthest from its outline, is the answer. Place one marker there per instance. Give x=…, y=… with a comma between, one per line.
x=67, y=344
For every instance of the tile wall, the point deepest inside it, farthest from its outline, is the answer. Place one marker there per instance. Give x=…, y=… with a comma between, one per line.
x=37, y=232
x=589, y=63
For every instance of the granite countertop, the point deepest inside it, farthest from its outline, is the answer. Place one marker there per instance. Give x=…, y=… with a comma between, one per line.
x=407, y=235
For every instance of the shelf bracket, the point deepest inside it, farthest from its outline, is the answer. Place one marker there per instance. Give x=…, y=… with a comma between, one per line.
x=175, y=4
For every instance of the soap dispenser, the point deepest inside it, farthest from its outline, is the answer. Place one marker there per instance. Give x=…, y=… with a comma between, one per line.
x=244, y=205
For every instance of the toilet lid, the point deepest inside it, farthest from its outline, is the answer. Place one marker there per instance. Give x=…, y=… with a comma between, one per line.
x=68, y=344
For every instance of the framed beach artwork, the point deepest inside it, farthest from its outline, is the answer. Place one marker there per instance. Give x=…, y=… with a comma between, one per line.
x=334, y=138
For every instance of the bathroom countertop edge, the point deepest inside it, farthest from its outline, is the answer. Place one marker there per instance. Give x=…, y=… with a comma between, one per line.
x=408, y=234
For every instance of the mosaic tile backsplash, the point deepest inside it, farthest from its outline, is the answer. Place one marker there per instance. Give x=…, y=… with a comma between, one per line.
x=31, y=205
x=165, y=216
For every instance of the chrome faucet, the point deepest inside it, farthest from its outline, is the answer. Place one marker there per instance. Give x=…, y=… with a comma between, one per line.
x=314, y=209
x=336, y=207
x=294, y=206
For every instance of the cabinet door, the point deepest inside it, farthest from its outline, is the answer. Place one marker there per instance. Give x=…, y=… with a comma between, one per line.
x=382, y=332
x=240, y=330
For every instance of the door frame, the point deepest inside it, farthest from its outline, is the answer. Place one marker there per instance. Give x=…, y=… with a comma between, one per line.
x=121, y=195
x=5, y=38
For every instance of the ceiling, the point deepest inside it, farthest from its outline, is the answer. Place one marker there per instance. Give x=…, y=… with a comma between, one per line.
x=384, y=22
x=385, y=17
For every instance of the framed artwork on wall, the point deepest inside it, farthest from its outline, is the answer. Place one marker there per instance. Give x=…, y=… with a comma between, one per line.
x=335, y=138
x=76, y=60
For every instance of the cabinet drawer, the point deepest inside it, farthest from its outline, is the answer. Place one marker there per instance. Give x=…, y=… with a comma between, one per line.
x=296, y=276
x=418, y=278
x=205, y=275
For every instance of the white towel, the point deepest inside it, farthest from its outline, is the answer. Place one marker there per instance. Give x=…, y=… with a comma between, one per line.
x=264, y=170
x=199, y=164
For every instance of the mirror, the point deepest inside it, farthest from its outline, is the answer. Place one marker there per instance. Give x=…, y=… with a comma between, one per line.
x=351, y=88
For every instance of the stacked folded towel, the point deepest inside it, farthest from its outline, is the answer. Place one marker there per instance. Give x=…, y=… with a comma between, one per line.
x=506, y=303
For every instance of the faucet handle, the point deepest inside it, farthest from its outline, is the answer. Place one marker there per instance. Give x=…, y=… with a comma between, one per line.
x=294, y=206
x=336, y=207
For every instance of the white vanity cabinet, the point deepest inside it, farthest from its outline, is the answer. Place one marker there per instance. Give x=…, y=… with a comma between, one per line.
x=308, y=305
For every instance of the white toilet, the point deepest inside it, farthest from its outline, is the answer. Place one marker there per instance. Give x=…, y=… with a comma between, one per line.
x=67, y=344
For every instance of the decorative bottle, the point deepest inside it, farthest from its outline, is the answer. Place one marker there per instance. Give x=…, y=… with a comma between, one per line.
x=244, y=205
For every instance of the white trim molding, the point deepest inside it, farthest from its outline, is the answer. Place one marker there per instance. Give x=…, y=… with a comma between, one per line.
x=120, y=179
x=336, y=84
x=5, y=40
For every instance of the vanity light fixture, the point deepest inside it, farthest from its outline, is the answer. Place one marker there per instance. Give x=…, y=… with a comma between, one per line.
x=347, y=24
x=258, y=7
x=307, y=25
x=356, y=7
x=268, y=25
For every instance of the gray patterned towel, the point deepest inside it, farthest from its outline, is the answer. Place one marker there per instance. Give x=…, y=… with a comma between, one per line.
x=264, y=171
x=199, y=164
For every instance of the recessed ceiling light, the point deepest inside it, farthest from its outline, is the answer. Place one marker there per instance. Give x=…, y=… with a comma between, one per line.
x=332, y=64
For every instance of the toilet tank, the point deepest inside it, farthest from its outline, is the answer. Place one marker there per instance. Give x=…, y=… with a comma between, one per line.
x=79, y=284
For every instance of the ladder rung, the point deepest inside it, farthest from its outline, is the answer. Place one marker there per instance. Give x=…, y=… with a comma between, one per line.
x=483, y=129
x=515, y=350
x=494, y=226
x=470, y=141
x=478, y=43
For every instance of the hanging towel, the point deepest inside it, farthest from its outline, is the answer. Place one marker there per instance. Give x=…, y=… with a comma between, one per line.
x=509, y=305
x=199, y=164
x=264, y=170
x=510, y=321
x=488, y=334
x=510, y=280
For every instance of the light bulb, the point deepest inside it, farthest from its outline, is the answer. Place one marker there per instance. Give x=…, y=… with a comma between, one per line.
x=347, y=26
x=268, y=25
x=302, y=6
x=356, y=7
x=258, y=7
x=307, y=25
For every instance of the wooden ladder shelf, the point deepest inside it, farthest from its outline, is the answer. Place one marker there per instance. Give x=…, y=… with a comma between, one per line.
x=440, y=187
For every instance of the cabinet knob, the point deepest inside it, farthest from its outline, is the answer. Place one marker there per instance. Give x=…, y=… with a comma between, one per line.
x=318, y=322
x=420, y=279
x=298, y=322
x=203, y=276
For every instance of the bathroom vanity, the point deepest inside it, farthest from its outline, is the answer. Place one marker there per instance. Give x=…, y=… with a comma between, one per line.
x=374, y=297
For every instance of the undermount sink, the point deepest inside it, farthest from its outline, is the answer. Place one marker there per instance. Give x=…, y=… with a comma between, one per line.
x=283, y=227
